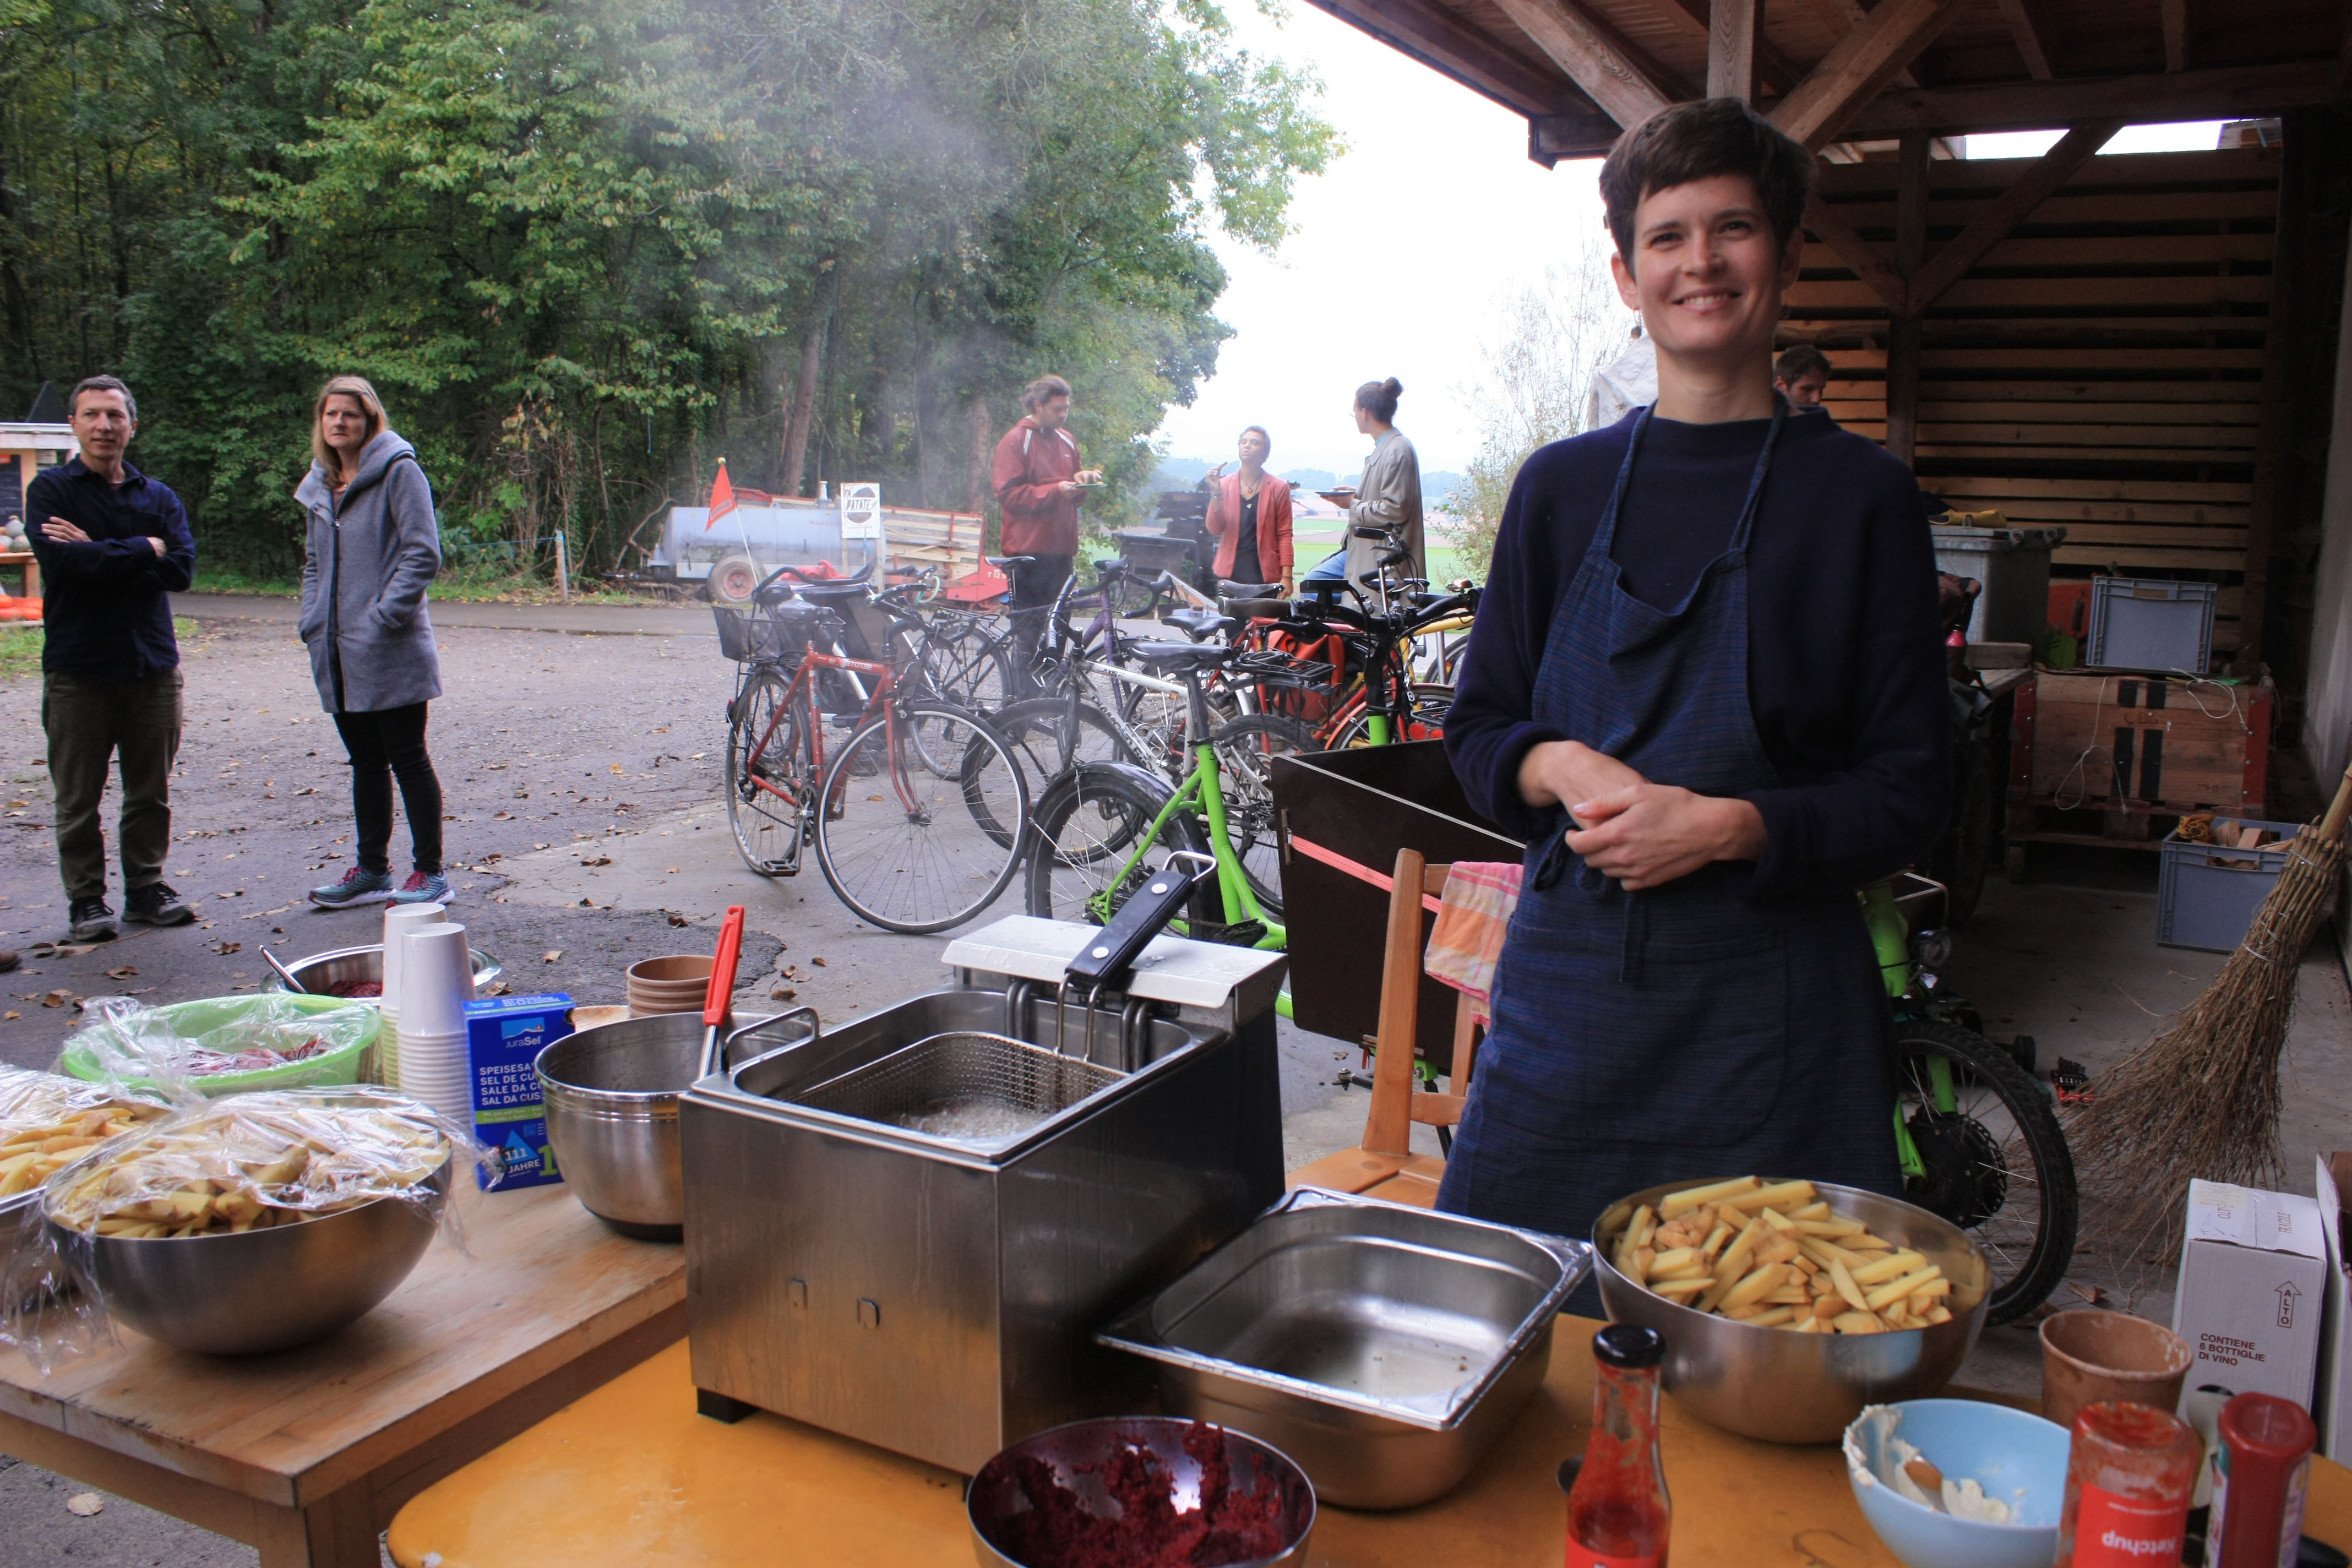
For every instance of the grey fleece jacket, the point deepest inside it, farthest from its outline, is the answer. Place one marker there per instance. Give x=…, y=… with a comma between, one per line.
x=1388, y=496
x=372, y=551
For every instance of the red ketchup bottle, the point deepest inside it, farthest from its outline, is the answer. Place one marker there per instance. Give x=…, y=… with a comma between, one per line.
x=1618, y=1512
x=2264, y=1463
x=2129, y=1481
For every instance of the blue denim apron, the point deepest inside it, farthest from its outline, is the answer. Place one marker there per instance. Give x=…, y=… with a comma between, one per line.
x=1682, y=1033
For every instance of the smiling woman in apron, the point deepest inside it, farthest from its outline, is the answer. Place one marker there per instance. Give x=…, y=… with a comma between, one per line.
x=1706, y=687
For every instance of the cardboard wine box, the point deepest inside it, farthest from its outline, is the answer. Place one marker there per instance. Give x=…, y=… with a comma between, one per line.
x=2253, y=1282
x=2332, y=1405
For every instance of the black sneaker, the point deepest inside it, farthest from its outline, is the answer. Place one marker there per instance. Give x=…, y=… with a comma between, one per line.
x=90, y=920
x=156, y=905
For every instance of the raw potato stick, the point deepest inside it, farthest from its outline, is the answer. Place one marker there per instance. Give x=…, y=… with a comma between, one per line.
x=1775, y=1255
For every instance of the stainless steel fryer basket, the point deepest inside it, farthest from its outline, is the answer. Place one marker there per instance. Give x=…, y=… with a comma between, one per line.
x=957, y=1067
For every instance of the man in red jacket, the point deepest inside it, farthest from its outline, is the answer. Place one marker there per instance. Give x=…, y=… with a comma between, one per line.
x=1038, y=483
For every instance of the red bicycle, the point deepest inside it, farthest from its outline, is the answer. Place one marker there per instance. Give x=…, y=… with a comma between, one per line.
x=918, y=816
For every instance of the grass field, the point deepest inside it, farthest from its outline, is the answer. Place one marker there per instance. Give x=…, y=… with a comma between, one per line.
x=20, y=646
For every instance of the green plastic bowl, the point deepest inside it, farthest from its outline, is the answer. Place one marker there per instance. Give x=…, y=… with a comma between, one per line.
x=339, y=1065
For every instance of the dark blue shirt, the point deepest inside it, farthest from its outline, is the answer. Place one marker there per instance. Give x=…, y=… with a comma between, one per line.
x=106, y=605
x=1844, y=666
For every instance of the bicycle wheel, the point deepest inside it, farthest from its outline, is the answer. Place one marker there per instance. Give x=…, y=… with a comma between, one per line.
x=1426, y=721
x=767, y=775
x=1035, y=731
x=1996, y=1165
x=901, y=842
x=1246, y=752
x=962, y=664
x=1086, y=827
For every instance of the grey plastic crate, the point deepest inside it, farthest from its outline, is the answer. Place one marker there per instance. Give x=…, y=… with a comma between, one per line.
x=2145, y=623
x=2013, y=565
x=2206, y=894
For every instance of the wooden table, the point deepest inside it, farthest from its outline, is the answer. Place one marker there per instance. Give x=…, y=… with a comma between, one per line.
x=630, y=1476
x=32, y=566
x=307, y=1454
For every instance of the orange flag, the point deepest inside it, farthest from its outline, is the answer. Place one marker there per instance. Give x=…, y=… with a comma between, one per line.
x=722, y=496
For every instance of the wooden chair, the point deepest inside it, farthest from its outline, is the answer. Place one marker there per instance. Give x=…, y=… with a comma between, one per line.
x=1385, y=1166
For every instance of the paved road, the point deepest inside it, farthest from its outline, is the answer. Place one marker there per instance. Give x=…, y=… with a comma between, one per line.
x=604, y=620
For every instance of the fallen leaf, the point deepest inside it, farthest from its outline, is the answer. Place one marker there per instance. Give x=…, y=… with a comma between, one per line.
x=57, y=998
x=15, y=1014
x=85, y=1504
x=125, y=973
x=2091, y=1294
x=697, y=756
x=587, y=903
x=673, y=871
x=781, y=993
x=616, y=767
x=818, y=961
x=306, y=789
x=225, y=948
x=599, y=860
x=551, y=956
x=680, y=920
x=502, y=817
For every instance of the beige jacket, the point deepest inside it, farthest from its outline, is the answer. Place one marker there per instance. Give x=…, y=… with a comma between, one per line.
x=1388, y=496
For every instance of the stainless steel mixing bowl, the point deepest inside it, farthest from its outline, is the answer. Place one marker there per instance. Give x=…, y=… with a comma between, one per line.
x=344, y=965
x=611, y=1097
x=1075, y=1451
x=1786, y=1388
x=261, y=1289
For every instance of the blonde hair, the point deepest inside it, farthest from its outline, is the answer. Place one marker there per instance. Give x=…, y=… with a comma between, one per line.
x=352, y=386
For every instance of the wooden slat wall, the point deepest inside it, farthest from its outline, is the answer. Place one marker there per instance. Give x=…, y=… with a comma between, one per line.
x=2101, y=368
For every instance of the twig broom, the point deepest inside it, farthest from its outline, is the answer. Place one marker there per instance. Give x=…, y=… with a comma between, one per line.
x=2203, y=1098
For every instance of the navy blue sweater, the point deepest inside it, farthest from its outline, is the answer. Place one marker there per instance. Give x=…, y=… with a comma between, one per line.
x=1845, y=671
x=106, y=605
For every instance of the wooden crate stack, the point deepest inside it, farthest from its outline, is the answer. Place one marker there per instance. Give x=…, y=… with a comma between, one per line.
x=2137, y=750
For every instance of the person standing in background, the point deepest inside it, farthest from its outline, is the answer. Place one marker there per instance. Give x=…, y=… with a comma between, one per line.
x=1801, y=374
x=1388, y=496
x=375, y=547
x=1249, y=517
x=1039, y=485
x=113, y=546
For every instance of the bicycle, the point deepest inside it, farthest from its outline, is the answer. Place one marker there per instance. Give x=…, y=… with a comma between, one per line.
x=1096, y=823
x=1976, y=1137
x=927, y=860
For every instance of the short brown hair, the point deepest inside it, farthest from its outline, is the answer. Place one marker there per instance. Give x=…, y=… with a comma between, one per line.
x=1379, y=399
x=1799, y=361
x=1044, y=387
x=1697, y=142
x=102, y=383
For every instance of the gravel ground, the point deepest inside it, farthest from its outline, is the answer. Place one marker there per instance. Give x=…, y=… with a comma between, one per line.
x=585, y=830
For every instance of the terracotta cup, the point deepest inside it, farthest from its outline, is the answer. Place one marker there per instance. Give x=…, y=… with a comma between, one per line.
x=2090, y=1355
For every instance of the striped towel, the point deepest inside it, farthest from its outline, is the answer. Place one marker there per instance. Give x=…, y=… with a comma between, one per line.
x=1473, y=914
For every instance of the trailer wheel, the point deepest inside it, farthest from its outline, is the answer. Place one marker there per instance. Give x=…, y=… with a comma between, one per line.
x=733, y=580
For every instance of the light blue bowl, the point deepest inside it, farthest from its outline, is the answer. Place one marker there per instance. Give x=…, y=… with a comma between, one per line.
x=2017, y=1457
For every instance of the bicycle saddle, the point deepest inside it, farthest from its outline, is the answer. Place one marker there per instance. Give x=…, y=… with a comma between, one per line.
x=1006, y=563
x=1182, y=658
x=830, y=594
x=1199, y=624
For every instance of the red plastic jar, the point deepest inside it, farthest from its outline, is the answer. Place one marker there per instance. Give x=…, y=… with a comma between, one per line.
x=2262, y=1466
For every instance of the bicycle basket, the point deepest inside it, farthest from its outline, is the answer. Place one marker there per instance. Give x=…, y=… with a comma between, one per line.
x=783, y=631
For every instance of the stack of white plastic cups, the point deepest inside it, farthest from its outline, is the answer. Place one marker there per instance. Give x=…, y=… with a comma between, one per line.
x=436, y=981
x=399, y=919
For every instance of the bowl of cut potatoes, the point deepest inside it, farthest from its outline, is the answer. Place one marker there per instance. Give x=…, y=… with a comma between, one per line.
x=265, y=1221
x=1787, y=1306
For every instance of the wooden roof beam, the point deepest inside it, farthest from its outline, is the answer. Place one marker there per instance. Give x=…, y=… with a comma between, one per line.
x=1856, y=252
x=2008, y=209
x=1775, y=71
x=1838, y=15
x=2174, y=15
x=1861, y=65
x=2028, y=37
x=2232, y=93
x=1438, y=39
x=1734, y=29
x=1627, y=84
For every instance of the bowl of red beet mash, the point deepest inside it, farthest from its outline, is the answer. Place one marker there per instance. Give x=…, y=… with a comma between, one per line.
x=1141, y=1492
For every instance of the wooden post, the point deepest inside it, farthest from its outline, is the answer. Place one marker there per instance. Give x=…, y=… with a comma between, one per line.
x=1903, y=343
x=1732, y=30
x=562, y=568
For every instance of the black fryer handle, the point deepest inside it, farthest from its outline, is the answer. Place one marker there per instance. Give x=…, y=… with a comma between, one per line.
x=1107, y=956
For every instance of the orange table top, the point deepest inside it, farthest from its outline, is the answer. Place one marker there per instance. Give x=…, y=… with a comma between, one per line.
x=631, y=1475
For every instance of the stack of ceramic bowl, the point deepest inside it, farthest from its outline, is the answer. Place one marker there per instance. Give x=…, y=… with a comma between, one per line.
x=669, y=984
x=436, y=981
x=399, y=919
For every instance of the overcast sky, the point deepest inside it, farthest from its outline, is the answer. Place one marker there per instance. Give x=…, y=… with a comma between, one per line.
x=1405, y=254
